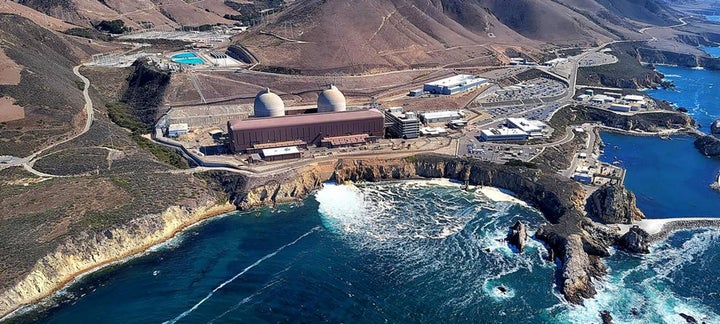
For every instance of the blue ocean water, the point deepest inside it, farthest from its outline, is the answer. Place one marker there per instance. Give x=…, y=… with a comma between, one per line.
x=669, y=177
x=713, y=18
x=698, y=90
x=419, y=252
x=713, y=51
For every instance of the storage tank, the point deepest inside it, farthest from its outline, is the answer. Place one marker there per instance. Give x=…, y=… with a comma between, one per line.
x=268, y=104
x=331, y=100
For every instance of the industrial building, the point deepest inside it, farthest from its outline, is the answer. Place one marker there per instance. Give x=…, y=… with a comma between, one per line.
x=533, y=128
x=502, y=134
x=175, y=130
x=309, y=128
x=440, y=116
x=281, y=153
x=620, y=108
x=268, y=104
x=455, y=84
x=331, y=100
x=402, y=124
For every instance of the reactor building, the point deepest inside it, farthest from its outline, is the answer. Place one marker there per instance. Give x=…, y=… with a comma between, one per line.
x=331, y=126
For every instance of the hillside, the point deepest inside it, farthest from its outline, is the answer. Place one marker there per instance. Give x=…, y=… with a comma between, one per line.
x=136, y=14
x=317, y=36
x=38, y=85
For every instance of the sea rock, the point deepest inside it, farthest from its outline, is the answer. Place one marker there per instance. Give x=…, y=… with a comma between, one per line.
x=688, y=318
x=636, y=240
x=708, y=145
x=577, y=272
x=606, y=317
x=614, y=204
x=517, y=236
x=715, y=127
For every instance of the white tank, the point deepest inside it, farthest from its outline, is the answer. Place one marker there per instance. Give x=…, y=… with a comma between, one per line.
x=268, y=104
x=331, y=100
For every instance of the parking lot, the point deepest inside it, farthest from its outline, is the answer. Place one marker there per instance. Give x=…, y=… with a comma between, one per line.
x=532, y=89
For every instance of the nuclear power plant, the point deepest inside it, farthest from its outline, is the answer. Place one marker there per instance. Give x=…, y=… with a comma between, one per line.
x=331, y=126
x=268, y=104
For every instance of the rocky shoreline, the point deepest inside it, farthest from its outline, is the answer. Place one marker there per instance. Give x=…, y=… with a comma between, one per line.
x=92, y=251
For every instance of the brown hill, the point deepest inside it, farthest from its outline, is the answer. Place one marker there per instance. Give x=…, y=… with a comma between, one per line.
x=317, y=36
x=41, y=84
x=169, y=13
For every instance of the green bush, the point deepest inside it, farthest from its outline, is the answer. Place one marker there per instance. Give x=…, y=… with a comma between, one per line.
x=516, y=162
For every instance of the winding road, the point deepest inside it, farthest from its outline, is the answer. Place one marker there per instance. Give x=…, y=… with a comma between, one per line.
x=28, y=161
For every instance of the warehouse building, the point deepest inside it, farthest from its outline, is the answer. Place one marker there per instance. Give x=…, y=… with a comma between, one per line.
x=281, y=153
x=402, y=124
x=440, y=116
x=455, y=84
x=533, y=128
x=502, y=134
x=309, y=128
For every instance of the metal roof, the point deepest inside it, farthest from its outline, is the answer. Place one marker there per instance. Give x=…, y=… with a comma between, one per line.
x=305, y=119
x=280, y=151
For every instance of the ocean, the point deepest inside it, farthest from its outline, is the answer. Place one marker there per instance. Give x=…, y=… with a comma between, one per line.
x=422, y=251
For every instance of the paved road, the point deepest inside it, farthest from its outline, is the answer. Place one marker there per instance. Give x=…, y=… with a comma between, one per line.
x=29, y=160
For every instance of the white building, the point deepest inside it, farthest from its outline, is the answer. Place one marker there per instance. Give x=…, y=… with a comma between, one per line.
x=634, y=98
x=454, y=84
x=620, y=108
x=532, y=127
x=601, y=99
x=440, y=116
x=175, y=130
x=502, y=134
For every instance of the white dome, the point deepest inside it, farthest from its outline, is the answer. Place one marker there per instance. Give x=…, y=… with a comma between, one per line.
x=331, y=100
x=268, y=104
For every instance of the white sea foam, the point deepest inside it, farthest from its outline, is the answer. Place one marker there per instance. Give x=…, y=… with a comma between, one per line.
x=652, y=300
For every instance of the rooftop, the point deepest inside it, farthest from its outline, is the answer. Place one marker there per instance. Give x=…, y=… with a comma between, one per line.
x=502, y=131
x=441, y=114
x=286, y=121
x=454, y=80
x=280, y=151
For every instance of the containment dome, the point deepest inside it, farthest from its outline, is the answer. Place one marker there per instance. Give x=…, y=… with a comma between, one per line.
x=268, y=104
x=331, y=100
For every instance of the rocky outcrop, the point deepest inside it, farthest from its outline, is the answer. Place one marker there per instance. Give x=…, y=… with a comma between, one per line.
x=90, y=250
x=655, y=56
x=517, y=236
x=636, y=240
x=571, y=237
x=708, y=145
x=646, y=122
x=715, y=127
x=145, y=91
x=606, y=317
x=613, y=204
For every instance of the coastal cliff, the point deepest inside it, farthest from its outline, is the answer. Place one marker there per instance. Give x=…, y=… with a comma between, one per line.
x=90, y=250
x=646, y=122
x=613, y=204
x=655, y=56
x=569, y=234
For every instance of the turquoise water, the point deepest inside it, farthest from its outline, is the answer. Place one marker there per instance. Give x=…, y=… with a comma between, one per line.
x=713, y=51
x=187, y=58
x=184, y=55
x=713, y=18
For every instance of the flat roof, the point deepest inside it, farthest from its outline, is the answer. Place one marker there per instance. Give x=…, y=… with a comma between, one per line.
x=177, y=127
x=454, y=80
x=634, y=98
x=280, y=151
x=527, y=125
x=440, y=114
x=502, y=131
x=305, y=119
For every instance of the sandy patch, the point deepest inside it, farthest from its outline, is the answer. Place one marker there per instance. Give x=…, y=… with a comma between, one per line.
x=9, y=70
x=9, y=111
